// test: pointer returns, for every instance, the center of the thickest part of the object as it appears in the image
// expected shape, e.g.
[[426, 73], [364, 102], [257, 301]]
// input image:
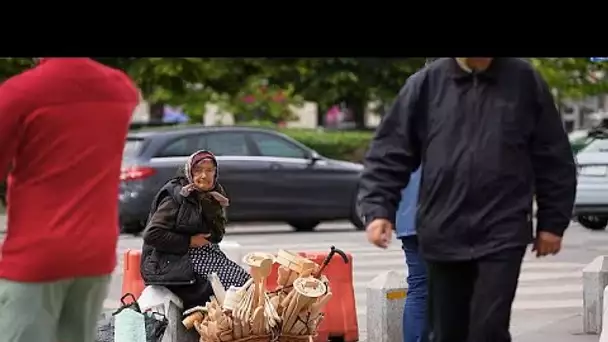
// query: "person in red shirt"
[[63, 126]]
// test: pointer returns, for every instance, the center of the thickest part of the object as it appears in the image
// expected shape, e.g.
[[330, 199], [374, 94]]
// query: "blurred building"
[[577, 114], [142, 111], [580, 114]]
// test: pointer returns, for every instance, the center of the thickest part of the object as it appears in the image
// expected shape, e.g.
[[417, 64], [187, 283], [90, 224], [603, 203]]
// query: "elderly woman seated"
[[186, 223]]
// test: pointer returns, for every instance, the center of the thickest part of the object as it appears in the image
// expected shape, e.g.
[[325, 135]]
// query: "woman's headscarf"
[[194, 159]]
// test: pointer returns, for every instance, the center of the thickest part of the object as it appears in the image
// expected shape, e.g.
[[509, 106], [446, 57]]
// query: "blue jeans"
[[414, 314]]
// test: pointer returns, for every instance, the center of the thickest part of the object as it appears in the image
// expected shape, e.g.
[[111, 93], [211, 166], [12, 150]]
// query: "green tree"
[[354, 81], [259, 101], [165, 81], [573, 77], [13, 66], [188, 82], [192, 82]]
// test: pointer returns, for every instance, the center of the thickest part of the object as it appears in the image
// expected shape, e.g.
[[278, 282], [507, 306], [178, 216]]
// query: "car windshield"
[[132, 147], [578, 135], [597, 145]]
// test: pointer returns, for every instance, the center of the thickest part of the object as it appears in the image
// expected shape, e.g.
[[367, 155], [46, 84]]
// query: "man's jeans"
[[414, 315]]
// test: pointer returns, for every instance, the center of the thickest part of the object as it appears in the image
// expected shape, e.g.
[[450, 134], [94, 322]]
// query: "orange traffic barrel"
[[340, 320], [131, 275]]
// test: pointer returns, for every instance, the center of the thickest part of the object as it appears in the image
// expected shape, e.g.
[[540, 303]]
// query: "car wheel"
[[304, 226], [593, 222], [355, 218], [356, 221], [134, 228]]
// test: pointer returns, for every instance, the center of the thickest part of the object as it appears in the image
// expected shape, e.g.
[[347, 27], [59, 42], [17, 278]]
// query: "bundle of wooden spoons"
[[240, 324], [251, 314]]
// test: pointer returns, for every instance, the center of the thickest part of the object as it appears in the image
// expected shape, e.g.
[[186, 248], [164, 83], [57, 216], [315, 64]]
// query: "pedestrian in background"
[[63, 126], [414, 313], [490, 137]]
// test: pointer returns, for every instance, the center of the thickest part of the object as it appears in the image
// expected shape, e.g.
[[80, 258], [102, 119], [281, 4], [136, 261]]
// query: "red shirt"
[[63, 126]]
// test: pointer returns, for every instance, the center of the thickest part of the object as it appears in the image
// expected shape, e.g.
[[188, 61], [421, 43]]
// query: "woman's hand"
[[199, 240]]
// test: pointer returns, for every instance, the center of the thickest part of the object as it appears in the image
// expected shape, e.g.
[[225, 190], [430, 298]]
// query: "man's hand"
[[199, 240], [547, 243], [380, 232]]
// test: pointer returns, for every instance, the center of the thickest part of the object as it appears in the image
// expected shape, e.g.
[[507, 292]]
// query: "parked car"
[[579, 139], [591, 205], [268, 176]]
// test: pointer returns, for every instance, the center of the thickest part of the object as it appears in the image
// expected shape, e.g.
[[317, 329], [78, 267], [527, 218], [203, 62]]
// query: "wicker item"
[[252, 314], [299, 338], [282, 338], [265, 338]]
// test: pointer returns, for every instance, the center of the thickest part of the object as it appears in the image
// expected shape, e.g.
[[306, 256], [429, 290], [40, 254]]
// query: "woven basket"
[[254, 338], [292, 338]]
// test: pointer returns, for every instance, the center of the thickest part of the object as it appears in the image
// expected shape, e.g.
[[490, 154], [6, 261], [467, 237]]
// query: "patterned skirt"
[[210, 259]]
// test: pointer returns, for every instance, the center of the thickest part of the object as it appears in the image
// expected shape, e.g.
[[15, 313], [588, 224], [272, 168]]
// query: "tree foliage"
[[13, 66], [354, 81], [258, 100], [327, 81], [193, 82], [188, 82], [573, 77]]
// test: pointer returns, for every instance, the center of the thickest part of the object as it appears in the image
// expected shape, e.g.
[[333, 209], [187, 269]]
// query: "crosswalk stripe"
[[570, 289], [555, 289], [551, 265], [527, 305], [543, 284], [526, 276], [390, 261], [365, 269], [547, 304], [313, 246]]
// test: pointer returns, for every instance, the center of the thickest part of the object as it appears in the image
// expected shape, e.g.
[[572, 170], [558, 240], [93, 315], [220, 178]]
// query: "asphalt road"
[[550, 289], [549, 295]]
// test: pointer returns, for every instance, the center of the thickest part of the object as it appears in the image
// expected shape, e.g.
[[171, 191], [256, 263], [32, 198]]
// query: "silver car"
[[591, 205]]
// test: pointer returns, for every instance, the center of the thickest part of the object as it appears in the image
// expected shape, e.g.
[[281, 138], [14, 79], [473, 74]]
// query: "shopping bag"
[[129, 324], [156, 325], [157, 298], [176, 331]]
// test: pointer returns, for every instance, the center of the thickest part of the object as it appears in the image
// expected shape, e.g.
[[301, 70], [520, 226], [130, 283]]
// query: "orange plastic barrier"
[[131, 275], [340, 321]]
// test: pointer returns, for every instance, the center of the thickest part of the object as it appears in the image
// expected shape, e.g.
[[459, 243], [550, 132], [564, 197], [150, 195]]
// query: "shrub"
[[343, 145]]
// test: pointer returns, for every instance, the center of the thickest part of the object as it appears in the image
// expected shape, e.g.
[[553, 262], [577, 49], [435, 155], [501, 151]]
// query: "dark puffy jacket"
[[174, 219]]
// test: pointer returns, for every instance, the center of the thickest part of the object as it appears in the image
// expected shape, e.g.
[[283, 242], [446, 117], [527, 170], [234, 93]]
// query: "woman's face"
[[203, 175]]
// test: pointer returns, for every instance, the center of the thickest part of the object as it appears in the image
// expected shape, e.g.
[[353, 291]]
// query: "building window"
[[569, 125]]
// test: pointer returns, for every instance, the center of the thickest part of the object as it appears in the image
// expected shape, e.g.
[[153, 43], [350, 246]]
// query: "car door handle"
[[275, 166]]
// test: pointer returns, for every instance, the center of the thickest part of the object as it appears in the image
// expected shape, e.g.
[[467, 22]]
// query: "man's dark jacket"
[[489, 142]]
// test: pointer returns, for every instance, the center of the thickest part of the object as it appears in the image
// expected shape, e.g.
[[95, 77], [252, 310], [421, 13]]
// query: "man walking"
[[490, 138], [414, 313], [62, 129]]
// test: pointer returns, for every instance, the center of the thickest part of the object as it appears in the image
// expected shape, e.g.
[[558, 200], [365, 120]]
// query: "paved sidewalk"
[[564, 330]]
